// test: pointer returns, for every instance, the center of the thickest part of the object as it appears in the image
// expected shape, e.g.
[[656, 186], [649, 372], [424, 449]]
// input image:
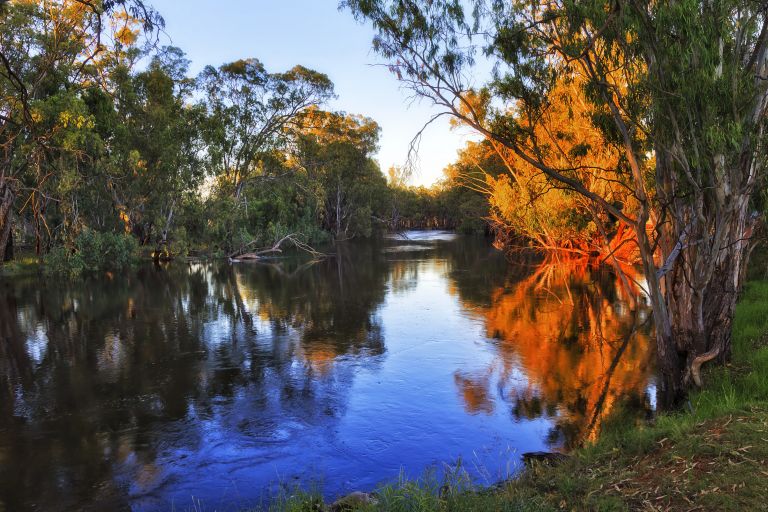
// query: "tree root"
[[699, 361]]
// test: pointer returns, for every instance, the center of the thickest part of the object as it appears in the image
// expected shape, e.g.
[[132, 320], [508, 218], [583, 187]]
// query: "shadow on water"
[[219, 381]]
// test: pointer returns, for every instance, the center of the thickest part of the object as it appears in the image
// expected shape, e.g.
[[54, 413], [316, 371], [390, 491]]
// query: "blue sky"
[[314, 33]]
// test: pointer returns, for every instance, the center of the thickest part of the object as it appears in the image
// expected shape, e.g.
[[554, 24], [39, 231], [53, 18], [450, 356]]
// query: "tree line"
[[109, 145]]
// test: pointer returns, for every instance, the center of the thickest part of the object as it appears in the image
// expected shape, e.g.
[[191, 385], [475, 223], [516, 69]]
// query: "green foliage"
[[248, 111], [448, 205], [235, 158], [92, 252], [472, 213], [261, 216], [334, 152]]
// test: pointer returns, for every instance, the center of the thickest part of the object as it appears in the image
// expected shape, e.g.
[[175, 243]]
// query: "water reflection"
[[140, 391], [571, 341]]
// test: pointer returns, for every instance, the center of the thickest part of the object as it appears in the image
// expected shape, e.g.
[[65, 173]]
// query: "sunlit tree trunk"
[[163, 243]]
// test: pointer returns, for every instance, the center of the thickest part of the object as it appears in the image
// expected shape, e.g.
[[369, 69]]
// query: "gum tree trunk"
[[707, 242], [8, 256], [7, 198]]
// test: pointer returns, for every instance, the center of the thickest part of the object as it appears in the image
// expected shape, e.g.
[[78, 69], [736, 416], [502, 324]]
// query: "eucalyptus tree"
[[49, 51], [155, 150], [335, 151], [680, 89], [249, 112]]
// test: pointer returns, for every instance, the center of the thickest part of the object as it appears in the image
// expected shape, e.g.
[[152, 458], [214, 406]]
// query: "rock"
[[550, 458], [498, 486], [353, 501]]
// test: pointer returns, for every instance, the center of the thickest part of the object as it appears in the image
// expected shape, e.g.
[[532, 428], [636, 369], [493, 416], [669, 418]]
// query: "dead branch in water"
[[391, 225], [241, 255]]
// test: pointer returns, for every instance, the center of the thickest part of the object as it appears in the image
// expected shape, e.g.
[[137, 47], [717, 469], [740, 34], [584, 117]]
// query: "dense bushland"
[[106, 137]]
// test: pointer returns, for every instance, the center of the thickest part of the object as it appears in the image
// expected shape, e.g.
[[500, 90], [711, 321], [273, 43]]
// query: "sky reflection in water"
[[223, 381]]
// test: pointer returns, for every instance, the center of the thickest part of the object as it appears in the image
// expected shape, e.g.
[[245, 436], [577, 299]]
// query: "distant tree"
[[335, 150], [249, 113]]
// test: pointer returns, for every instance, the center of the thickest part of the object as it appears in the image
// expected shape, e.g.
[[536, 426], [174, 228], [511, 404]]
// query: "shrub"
[[92, 251]]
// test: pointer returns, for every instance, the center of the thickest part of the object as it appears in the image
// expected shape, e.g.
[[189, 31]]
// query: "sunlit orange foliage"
[[328, 127], [526, 203]]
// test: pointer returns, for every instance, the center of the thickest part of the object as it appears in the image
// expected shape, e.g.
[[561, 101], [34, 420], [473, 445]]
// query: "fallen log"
[[241, 255]]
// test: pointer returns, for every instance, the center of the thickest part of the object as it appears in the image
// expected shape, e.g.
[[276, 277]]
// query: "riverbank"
[[712, 456]]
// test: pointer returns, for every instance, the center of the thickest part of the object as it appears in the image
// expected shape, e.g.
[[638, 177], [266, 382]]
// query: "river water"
[[217, 385]]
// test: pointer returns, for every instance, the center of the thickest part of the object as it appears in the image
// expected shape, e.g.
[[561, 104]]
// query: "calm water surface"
[[224, 382]]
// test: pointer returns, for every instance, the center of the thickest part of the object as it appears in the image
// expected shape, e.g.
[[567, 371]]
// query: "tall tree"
[[249, 110], [680, 87], [155, 145], [46, 49], [335, 150]]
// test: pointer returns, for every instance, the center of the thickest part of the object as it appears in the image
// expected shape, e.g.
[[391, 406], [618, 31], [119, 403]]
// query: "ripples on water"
[[222, 382]]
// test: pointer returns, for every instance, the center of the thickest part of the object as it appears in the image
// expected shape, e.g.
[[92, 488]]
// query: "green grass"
[[712, 456], [20, 266]]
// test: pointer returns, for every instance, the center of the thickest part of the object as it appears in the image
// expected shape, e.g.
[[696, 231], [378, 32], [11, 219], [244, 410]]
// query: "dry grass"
[[719, 464]]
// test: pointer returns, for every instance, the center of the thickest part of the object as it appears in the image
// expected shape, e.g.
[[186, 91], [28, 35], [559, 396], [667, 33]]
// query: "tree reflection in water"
[[572, 342], [99, 380], [141, 390]]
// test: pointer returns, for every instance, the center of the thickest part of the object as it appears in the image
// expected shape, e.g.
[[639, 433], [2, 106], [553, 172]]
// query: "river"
[[216, 385]]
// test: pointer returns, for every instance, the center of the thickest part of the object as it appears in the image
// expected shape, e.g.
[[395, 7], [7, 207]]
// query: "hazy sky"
[[314, 33]]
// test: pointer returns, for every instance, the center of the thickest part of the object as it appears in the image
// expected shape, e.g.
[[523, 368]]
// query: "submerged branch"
[[241, 255]]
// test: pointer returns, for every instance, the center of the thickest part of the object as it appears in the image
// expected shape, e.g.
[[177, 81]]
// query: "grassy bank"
[[27, 265], [712, 456]]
